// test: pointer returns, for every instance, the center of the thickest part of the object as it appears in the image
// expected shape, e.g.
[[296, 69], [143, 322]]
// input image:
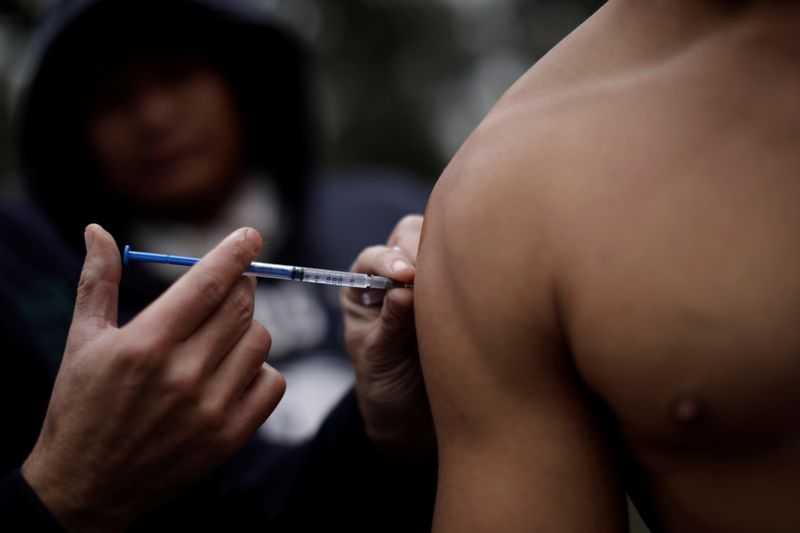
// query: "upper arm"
[[519, 444]]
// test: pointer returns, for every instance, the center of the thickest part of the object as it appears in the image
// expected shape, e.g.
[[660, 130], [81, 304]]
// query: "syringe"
[[287, 272]]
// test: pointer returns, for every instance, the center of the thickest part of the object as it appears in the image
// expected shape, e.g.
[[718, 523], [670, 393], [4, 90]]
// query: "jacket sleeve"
[[336, 479], [21, 509], [343, 482]]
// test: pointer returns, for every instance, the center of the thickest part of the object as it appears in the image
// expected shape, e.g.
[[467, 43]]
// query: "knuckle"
[[262, 340], [274, 389], [210, 285], [267, 390], [374, 249], [243, 303], [211, 415], [367, 257], [406, 234], [277, 388], [256, 345], [281, 384], [369, 252], [185, 379], [409, 222], [138, 355], [87, 283], [87, 279]]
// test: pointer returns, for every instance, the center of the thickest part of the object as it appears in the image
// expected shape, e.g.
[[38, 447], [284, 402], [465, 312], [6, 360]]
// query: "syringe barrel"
[[331, 277]]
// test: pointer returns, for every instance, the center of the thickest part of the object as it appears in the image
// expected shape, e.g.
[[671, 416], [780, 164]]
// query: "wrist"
[[64, 498], [39, 477]]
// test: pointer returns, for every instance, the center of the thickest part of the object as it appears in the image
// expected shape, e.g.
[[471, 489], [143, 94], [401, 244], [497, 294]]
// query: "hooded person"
[[172, 123]]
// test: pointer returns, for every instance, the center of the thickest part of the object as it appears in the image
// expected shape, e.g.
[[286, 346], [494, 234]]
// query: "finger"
[[382, 261], [98, 289], [405, 236], [187, 304], [228, 323], [256, 403], [240, 366], [397, 319]]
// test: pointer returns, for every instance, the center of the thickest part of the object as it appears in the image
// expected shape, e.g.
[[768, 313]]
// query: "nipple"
[[686, 411]]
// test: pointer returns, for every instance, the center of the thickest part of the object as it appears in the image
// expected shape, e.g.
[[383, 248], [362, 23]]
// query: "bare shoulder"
[[520, 445]]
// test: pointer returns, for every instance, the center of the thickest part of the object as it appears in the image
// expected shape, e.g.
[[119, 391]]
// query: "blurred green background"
[[400, 82]]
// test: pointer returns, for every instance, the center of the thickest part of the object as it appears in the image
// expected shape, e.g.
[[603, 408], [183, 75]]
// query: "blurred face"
[[166, 134]]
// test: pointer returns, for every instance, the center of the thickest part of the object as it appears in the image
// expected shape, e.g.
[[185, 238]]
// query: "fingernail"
[[371, 298], [235, 234], [247, 233], [397, 248], [88, 238], [399, 265]]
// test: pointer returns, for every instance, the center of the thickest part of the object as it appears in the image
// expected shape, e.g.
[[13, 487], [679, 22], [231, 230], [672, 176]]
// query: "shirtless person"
[[621, 235]]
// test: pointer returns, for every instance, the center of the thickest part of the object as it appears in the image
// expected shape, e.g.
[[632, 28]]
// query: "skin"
[[140, 411], [166, 134], [619, 237]]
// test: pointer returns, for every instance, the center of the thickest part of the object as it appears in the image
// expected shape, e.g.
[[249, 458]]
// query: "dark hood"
[[265, 64]]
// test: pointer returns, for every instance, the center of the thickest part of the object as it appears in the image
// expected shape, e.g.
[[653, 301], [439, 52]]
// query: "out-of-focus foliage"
[[404, 81], [401, 82]]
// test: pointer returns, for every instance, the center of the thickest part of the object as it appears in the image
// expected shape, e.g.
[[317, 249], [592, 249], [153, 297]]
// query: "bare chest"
[[691, 335]]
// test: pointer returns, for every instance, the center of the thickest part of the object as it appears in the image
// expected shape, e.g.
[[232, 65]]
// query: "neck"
[[674, 23], [660, 28]]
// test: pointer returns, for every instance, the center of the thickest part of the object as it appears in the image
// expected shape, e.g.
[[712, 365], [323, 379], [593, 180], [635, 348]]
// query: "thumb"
[[96, 303], [397, 318]]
